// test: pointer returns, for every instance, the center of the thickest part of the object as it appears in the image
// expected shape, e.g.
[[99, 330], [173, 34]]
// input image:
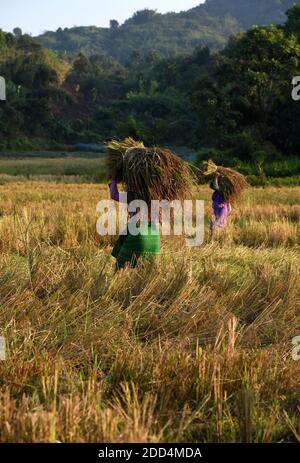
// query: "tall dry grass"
[[196, 348]]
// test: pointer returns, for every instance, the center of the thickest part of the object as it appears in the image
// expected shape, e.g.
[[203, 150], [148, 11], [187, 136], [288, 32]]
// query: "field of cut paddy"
[[195, 348]]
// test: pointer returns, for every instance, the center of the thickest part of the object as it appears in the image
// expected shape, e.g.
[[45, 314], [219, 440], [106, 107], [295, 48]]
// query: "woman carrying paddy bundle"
[[147, 174], [228, 186], [221, 207], [129, 248]]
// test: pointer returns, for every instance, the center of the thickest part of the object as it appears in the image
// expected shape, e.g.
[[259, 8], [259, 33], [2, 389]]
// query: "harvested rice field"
[[195, 348]]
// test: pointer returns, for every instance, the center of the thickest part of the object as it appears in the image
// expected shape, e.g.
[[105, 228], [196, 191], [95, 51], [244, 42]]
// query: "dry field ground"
[[196, 348]]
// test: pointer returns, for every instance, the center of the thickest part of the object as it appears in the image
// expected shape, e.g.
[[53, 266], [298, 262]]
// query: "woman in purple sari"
[[221, 207]]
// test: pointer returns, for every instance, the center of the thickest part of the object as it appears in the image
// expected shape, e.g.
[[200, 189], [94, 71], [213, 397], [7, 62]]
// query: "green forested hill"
[[209, 24], [237, 101], [166, 34], [250, 12]]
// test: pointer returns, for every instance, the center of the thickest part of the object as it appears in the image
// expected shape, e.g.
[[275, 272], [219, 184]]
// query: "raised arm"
[[120, 197], [113, 188], [216, 182]]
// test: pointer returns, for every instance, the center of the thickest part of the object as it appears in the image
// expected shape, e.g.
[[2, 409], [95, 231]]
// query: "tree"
[[247, 88], [136, 58], [25, 42], [82, 65], [17, 31], [114, 24], [153, 57], [264, 58], [293, 22], [143, 16]]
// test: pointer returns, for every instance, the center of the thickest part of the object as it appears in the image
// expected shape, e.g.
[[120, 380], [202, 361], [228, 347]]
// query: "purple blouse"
[[220, 206], [120, 197], [113, 188]]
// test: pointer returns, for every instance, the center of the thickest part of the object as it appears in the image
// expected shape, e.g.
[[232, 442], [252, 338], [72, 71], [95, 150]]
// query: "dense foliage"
[[236, 102], [250, 12], [169, 34], [210, 24]]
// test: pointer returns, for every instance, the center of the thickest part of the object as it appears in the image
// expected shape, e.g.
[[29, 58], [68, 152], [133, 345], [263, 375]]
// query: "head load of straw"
[[148, 173], [231, 183], [115, 156]]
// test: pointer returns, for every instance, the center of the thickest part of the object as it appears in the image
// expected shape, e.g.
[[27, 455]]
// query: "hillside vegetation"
[[234, 105], [250, 12], [210, 24]]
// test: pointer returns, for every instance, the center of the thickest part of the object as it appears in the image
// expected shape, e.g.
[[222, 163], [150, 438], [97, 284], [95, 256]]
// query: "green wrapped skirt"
[[128, 249]]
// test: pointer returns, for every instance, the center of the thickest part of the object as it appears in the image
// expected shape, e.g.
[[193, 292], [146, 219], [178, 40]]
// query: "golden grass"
[[194, 349]]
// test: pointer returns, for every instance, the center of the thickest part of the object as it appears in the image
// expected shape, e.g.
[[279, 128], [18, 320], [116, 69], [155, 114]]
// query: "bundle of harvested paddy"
[[116, 151], [231, 182], [149, 173]]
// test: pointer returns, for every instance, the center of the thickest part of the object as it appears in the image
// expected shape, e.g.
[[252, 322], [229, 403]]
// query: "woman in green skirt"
[[129, 248]]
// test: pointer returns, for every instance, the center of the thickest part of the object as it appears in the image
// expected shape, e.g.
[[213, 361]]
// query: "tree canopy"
[[237, 100], [210, 24]]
